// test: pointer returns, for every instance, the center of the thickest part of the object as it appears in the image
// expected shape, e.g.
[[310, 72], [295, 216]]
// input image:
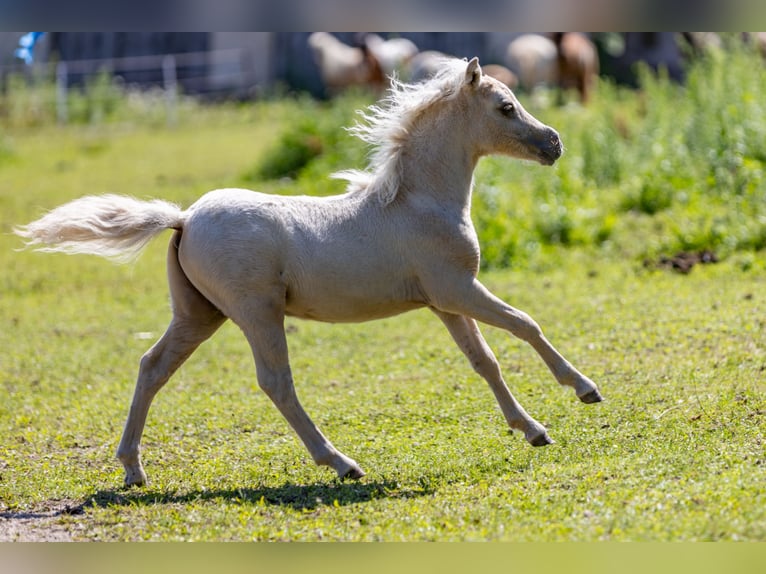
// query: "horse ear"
[[473, 73]]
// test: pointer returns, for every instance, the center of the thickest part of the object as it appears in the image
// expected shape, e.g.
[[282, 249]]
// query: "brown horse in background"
[[578, 64]]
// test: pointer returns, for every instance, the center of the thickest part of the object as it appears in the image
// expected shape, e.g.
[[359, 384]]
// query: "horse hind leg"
[[195, 319], [262, 322]]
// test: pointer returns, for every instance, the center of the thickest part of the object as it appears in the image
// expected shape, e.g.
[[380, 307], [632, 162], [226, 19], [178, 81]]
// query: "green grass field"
[[676, 453]]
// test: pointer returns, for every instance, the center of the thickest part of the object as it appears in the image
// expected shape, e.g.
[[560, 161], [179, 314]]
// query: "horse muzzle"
[[550, 148]]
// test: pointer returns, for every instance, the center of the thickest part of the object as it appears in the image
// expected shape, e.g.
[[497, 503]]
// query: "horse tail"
[[112, 226]]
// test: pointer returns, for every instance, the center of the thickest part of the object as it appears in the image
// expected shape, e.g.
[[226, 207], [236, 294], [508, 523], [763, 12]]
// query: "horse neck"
[[438, 161]]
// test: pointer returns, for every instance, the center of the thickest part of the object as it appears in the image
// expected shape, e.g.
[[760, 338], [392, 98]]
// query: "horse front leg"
[[474, 300], [466, 334], [266, 335]]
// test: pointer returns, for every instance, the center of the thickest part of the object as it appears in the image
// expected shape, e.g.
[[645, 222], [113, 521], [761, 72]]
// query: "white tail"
[[112, 226]]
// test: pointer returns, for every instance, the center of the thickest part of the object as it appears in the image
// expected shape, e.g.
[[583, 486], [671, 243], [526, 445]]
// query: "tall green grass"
[[666, 168], [30, 101]]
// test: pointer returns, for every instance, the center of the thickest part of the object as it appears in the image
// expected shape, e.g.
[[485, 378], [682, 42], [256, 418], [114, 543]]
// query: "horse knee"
[[525, 327]]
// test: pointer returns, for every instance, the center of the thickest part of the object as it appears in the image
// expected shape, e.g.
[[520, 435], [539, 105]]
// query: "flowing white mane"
[[387, 127]]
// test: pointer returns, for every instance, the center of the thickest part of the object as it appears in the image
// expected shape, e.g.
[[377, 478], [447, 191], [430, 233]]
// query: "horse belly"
[[350, 303]]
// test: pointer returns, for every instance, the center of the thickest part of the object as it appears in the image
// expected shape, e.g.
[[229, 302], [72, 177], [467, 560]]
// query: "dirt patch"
[[41, 524], [684, 261]]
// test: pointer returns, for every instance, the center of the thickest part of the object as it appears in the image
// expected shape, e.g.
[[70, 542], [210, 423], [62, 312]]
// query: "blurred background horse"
[[342, 66]]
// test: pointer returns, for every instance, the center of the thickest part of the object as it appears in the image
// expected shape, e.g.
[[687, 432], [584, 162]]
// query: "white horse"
[[393, 54], [534, 60], [425, 65], [400, 238]]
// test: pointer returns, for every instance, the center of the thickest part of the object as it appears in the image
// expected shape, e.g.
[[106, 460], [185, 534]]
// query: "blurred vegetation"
[[31, 101], [661, 169], [314, 143], [651, 171]]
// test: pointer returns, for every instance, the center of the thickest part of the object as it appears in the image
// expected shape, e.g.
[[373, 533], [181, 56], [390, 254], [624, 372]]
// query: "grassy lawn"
[[675, 453]]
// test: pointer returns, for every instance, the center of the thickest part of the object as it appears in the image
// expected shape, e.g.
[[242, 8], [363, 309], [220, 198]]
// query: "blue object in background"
[[27, 42]]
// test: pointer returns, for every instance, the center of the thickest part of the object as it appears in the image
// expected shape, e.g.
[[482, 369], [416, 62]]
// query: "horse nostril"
[[556, 146], [550, 146]]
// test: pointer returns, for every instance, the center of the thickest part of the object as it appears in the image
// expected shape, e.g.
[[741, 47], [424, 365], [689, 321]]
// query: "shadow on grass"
[[296, 496]]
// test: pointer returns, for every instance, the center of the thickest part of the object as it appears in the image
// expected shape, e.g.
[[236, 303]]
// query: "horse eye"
[[508, 109]]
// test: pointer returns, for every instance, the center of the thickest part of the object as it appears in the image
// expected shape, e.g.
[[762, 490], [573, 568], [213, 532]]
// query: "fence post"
[[62, 113], [171, 88]]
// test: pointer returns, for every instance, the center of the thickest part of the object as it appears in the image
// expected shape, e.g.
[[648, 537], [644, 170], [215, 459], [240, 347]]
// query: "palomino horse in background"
[[342, 66], [503, 74], [400, 238]]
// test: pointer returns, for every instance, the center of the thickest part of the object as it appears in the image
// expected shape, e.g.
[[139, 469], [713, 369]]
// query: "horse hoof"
[[541, 440], [134, 484], [353, 473], [135, 478], [591, 397]]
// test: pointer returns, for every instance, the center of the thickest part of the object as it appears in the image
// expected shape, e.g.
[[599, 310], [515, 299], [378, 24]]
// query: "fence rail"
[[208, 72], [229, 68]]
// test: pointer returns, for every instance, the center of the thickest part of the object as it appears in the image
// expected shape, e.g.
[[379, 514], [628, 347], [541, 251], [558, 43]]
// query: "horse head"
[[501, 125]]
